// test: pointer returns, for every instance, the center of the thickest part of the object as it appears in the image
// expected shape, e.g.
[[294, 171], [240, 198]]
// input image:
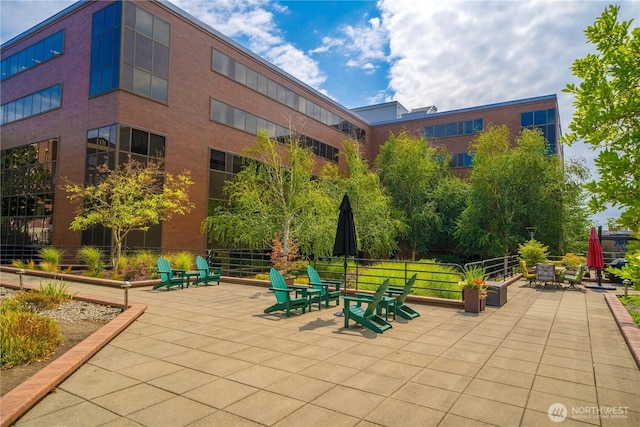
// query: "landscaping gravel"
[[74, 311]]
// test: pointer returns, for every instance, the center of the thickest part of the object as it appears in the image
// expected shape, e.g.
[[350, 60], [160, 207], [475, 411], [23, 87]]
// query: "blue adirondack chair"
[[282, 292], [168, 276], [368, 317], [207, 274], [327, 294]]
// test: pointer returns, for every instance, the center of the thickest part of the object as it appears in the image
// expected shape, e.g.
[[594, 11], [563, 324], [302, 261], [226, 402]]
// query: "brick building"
[[100, 81]]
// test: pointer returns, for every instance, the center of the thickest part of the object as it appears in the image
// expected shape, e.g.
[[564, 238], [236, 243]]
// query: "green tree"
[[607, 116], [275, 195], [131, 197], [376, 229], [411, 172], [575, 214], [511, 187]]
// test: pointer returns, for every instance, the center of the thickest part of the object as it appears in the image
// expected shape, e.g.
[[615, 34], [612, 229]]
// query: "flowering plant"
[[474, 278]]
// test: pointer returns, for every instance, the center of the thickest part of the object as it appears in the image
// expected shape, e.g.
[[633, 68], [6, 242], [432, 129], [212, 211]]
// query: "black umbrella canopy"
[[345, 243]]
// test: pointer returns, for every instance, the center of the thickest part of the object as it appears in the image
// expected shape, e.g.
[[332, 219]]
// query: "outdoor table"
[[311, 293], [188, 275], [325, 289]]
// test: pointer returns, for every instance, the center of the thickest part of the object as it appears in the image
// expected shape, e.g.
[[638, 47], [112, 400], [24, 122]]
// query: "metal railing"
[[500, 267], [434, 279]]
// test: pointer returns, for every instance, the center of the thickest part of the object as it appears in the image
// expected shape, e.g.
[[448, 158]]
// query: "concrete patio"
[[208, 356]]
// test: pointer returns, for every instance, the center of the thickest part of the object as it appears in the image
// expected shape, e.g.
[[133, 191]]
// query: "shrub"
[[573, 260], [26, 337], [17, 263], [123, 262], [56, 291], [533, 252], [51, 258], [138, 270], [93, 258], [180, 260], [35, 301]]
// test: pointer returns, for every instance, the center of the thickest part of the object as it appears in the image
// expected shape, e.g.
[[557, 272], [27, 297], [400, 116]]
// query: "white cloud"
[[363, 44], [460, 54], [253, 21], [17, 16], [328, 43]]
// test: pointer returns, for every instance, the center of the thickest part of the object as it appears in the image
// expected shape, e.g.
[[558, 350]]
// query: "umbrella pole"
[[345, 275], [344, 292], [599, 285]]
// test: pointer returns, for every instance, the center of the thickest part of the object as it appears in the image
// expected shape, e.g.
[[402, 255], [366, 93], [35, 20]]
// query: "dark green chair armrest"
[[288, 290]]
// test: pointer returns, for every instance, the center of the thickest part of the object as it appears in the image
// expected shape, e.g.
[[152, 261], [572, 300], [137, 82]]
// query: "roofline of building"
[[67, 10], [470, 109], [369, 107], [186, 15], [255, 56]]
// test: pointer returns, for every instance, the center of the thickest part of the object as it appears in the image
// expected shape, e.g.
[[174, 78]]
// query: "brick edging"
[[627, 326], [18, 401]]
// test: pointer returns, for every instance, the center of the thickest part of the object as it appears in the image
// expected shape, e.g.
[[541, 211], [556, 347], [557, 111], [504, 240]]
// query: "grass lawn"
[[632, 304]]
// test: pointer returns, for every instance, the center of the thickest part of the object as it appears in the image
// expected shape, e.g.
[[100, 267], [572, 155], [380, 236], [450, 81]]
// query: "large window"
[[444, 130], [105, 49], [145, 55], [40, 102], [240, 119], [229, 67], [545, 120], [33, 55], [145, 63], [28, 185], [105, 147], [461, 160]]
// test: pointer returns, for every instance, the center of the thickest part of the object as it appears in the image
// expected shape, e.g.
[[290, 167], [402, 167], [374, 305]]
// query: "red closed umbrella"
[[595, 259]]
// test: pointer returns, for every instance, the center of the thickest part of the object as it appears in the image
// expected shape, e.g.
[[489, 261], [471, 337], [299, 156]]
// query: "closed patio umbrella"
[[345, 243], [595, 259]]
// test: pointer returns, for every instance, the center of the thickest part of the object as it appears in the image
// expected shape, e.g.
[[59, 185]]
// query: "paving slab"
[[209, 356]]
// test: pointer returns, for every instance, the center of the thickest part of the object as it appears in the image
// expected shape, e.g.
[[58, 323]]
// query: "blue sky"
[[452, 54]]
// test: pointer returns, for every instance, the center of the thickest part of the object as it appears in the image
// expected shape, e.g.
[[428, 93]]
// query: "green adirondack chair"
[[169, 276], [284, 300], [399, 307], [324, 286], [576, 279], [207, 274], [368, 317]]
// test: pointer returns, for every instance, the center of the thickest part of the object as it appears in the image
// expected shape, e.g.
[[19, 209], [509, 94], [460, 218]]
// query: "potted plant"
[[474, 289]]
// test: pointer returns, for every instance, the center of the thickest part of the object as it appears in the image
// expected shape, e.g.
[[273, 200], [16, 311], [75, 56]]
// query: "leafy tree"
[[450, 197], [575, 216], [511, 188], [376, 229], [412, 172], [607, 117], [132, 197], [275, 195]]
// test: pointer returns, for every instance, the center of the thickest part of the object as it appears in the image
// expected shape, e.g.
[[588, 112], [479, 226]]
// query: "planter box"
[[497, 294]]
